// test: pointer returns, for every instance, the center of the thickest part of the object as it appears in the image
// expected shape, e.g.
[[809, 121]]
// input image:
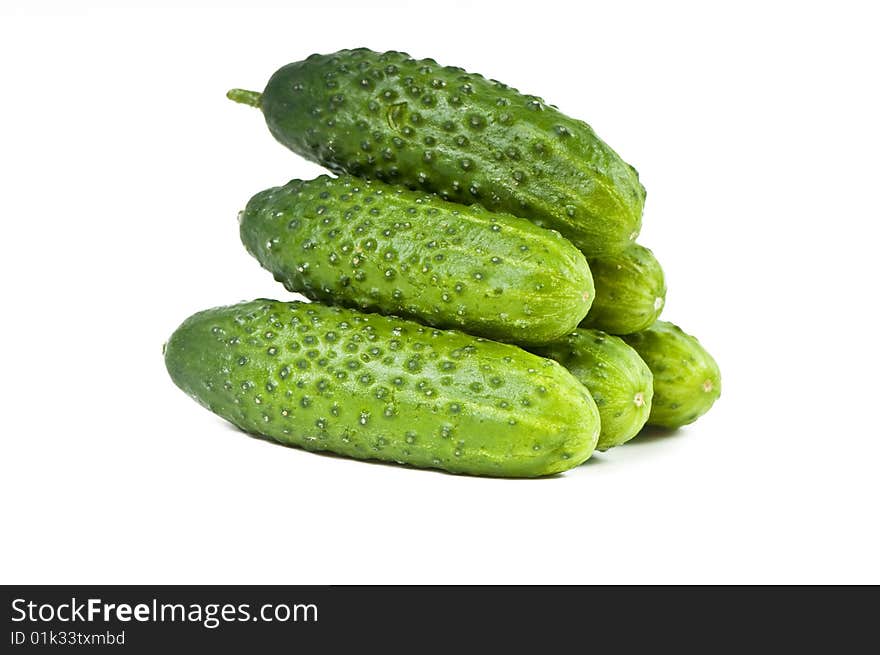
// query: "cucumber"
[[630, 291], [617, 378], [374, 387], [384, 248], [687, 380], [390, 117]]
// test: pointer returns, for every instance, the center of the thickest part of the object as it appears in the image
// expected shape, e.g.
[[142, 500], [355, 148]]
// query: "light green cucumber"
[[630, 291], [374, 387], [617, 378], [687, 380], [384, 248], [390, 117]]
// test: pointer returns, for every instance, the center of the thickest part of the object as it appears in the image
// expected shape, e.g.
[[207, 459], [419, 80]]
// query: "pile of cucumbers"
[[480, 304]]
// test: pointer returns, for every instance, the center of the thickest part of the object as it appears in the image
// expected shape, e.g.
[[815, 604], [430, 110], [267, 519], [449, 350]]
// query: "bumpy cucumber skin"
[[441, 129], [617, 378], [385, 248], [687, 380], [374, 387], [630, 291]]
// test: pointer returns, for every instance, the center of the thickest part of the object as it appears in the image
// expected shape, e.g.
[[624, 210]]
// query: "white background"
[[122, 167]]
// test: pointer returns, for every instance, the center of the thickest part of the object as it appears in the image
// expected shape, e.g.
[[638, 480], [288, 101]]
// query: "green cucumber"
[[374, 387], [390, 117], [385, 248], [617, 378], [687, 380], [630, 291]]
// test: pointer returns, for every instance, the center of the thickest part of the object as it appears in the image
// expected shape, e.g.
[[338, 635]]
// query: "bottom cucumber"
[[687, 381], [375, 387], [619, 381]]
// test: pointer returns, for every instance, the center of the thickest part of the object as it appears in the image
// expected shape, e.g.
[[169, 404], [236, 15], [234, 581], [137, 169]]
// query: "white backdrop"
[[122, 167]]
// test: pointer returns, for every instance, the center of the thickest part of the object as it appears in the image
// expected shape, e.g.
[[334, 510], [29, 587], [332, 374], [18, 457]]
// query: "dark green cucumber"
[[393, 118], [687, 380], [385, 248], [374, 387], [617, 378], [630, 291]]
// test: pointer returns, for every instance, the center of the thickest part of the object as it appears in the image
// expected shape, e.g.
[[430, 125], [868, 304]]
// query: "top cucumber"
[[391, 117]]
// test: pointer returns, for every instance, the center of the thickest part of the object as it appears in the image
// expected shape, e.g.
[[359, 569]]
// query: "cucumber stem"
[[251, 98]]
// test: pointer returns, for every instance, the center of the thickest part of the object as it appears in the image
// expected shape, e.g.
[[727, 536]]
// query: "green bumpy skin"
[[614, 374], [687, 380], [384, 248], [630, 291], [374, 387], [393, 118]]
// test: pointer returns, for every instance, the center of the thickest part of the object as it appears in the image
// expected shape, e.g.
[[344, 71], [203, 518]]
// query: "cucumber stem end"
[[245, 97]]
